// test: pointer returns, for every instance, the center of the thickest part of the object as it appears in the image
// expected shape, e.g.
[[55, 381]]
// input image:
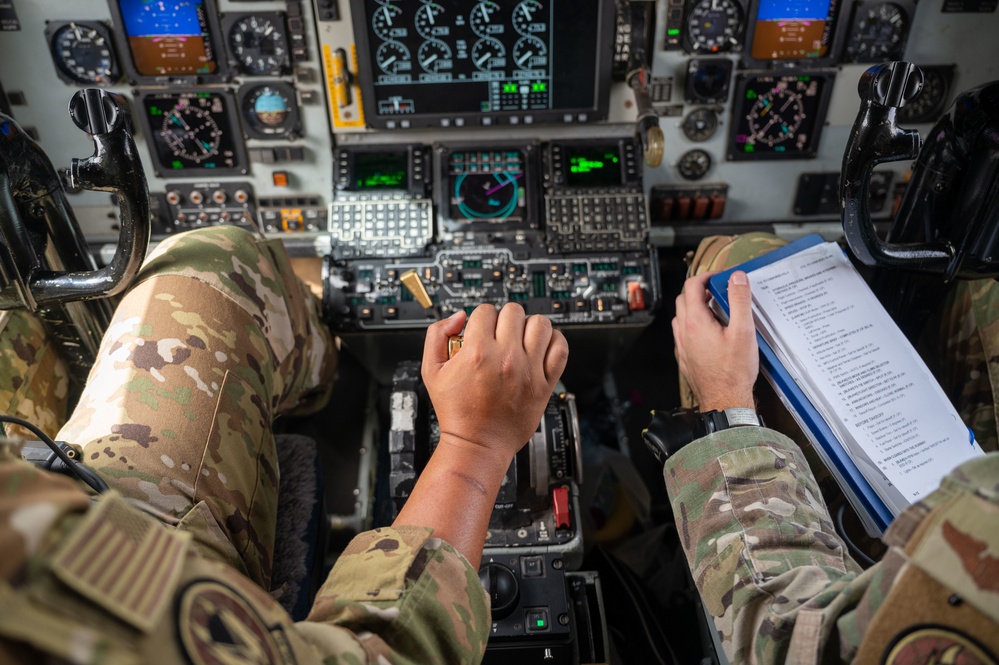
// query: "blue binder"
[[857, 489]]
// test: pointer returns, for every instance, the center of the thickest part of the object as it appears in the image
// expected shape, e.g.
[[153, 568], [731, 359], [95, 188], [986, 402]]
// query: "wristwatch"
[[669, 432], [716, 421]]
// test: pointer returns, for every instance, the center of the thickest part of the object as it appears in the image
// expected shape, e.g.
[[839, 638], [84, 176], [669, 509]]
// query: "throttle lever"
[[876, 138]]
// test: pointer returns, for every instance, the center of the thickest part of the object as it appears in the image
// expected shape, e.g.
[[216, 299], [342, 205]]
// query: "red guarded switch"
[[636, 297], [560, 505]]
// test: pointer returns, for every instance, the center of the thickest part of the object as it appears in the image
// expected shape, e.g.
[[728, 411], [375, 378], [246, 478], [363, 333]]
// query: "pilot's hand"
[[720, 362], [492, 393]]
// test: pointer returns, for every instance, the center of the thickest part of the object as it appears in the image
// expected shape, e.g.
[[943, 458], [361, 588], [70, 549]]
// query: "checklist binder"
[[873, 512]]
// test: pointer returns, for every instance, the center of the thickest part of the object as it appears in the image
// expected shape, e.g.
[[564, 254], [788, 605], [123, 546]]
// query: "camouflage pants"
[[215, 338], [961, 346]]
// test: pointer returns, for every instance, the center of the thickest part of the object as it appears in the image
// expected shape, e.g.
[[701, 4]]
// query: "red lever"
[[560, 504]]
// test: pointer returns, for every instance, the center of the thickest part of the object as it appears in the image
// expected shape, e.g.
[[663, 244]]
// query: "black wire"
[[94, 481], [854, 550]]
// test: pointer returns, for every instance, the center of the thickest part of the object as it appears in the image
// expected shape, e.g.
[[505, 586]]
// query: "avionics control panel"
[[602, 287], [560, 227]]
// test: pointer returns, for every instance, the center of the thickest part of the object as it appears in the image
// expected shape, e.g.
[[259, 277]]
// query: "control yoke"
[[44, 259], [948, 222]]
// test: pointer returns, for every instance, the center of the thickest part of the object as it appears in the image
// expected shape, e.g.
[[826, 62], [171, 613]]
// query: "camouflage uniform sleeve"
[[760, 543], [406, 597]]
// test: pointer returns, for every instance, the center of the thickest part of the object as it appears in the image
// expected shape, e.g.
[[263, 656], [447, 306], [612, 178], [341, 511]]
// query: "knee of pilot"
[[211, 249]]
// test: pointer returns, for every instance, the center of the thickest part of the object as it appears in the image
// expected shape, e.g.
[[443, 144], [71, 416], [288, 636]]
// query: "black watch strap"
[[716, 421], [670, 431]]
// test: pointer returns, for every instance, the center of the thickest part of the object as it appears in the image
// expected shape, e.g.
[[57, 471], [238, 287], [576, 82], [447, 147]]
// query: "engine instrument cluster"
[[452, 63]]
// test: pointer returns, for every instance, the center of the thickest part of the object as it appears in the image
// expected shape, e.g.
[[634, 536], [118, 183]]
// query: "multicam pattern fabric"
[[214, 339], [34, 383], [772, 570]]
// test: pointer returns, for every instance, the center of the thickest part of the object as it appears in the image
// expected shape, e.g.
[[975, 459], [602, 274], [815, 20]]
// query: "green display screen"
[[593, 167], [380, 170]]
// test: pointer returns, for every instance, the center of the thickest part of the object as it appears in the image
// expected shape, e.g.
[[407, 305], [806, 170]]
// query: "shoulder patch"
[[218, 626], [930, 644], [122, 561]]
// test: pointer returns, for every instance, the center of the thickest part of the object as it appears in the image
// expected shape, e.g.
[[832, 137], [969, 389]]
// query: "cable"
[[94, 481], [854, 550]]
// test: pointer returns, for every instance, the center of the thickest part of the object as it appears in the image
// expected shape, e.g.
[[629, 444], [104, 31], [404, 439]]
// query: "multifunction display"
[[779, 117], [194, 131], [461, 61], [169, 37], [794, 29]]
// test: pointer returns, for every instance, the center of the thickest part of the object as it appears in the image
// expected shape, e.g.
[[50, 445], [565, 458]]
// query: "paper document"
[[860, 372]]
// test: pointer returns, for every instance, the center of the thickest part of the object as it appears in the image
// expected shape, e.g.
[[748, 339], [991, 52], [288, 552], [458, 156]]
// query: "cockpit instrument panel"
[[778, 117], [193, 132], [269, 110], [801, 31], [82, 52], [878, 31], [169, 38], [257, 43], [489, 188], [714, 26], [456, 63]]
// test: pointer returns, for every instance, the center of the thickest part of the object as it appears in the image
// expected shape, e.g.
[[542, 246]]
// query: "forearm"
[[456, 493], [749, 512]]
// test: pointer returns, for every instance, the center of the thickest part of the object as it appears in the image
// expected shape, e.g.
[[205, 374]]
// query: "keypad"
[[596, 222], [389, 226]]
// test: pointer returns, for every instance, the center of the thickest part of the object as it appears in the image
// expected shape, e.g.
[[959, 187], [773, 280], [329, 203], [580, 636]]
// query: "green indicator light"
[[155, 110], [485, 106], [541, 623], [539, 86], [509, 87], [750, 148], [672, 32], [176, 164], [750, 94]]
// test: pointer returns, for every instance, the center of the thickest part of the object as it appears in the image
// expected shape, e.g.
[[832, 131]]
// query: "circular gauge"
[[429, 19], [482, 19], [700, 124], [708, 80], [258, 45], [530, 53], [489, 54], [386, 22], [487, 196], [878, 33], [191, 133], [694, 165], [434, 56], [776, 116], [930, 102], [269, 110], [82, 54], [714, 26], [393, 58], [528, 18]]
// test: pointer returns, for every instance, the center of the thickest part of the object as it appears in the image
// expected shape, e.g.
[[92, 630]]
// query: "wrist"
[[473, 455], [722, 402]]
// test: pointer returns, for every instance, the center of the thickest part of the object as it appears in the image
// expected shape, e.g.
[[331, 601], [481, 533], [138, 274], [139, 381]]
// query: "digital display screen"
[[593, 167], [454, 58], [380, 170], [794, 29], [779, 116], [193, 131], [168, 37], [487, 186]]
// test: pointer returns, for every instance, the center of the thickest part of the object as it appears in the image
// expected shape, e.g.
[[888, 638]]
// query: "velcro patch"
[[123, 561], [218, 626]]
